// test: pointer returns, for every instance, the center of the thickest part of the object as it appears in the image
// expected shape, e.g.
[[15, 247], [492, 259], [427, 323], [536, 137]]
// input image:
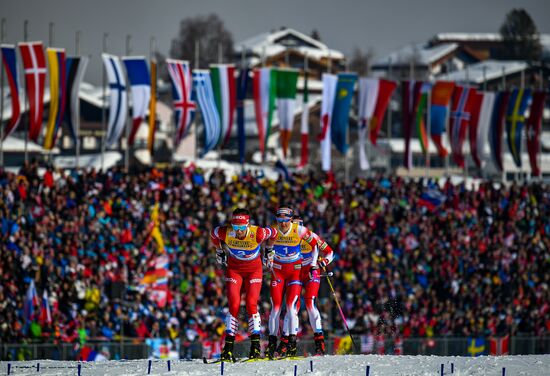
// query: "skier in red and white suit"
[[238, 249], [286, 266]]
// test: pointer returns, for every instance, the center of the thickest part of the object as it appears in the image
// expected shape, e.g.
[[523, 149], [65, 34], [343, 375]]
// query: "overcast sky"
[[383, 25]]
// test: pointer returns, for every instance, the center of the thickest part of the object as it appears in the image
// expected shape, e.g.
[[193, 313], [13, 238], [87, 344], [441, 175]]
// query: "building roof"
[[420, 53], [485, 70]]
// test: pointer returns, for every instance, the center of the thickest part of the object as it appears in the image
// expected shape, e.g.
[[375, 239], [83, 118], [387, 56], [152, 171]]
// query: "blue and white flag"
[[211, 119], [76, 66], [118, 100], [140, 81], [340, 114], [9, 61]]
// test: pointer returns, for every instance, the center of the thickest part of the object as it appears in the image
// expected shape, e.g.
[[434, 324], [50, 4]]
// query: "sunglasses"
[[239, 227], [283, 220]]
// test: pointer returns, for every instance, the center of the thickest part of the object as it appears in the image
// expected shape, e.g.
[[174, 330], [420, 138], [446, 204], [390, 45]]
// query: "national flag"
[[533, 129], [479, 127], [155, 280], [210, 116], [264, 88], [45, 312], [442, 93], [515, 119], [339, 126], [368, 95], [58, 94], [31, 301], [431, 199], [140, 87], [497, 127], [152, 109], [223, 84], [283, 170], [76, 66], [499, 345], [460, 121], [477, 98], [286, 82], [118, 100], [34, 65], [410, 90], [421, 102], [367, 343], [476, 346], [9, 61], [242, 87], [184, 106], [327, 106], [385, 91], [304, 126]]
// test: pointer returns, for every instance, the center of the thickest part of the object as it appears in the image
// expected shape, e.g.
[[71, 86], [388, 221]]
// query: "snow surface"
[[329, 365]]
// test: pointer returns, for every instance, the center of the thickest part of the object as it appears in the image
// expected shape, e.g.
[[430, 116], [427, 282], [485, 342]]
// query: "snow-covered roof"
[[270, 44], [17, 145], [469, 37], [485, 70], [419, 53]]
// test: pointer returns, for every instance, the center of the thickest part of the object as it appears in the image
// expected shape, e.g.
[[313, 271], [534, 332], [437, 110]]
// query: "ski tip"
[[204, 360]]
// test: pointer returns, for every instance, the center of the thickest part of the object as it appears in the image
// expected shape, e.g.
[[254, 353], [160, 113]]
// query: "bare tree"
[[360, 61], [210, 32]]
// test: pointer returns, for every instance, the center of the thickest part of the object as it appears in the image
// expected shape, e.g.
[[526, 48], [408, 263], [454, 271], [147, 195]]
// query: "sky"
[[379, 25]]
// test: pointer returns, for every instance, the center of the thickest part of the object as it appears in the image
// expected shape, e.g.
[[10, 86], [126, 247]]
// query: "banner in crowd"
[[242, 87], [460, 121], [264, 86], [533, 129], [34, 66], [497, 127], [223, 84], [515, 119], [327, 106], [152, 110], [58, 94], [442, 93], [9, 62], [140, 87], [287, 80], [211, 119], [368, 94], [118, 100], [183, 104], [76, 66], [385, 91], [339, 126], [304, 125], [476, 347]]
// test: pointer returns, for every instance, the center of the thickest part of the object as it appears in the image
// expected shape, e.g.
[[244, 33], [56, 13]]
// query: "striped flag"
[[327, 106], [140, 87], [460, 121], [34, 65], [155, 280], [420, 108], [31, 301], [442, 94], [497, 127], [207, 103], [9, 61], [479, 127], [368, 95], [152, 110], [533, 129], [76, 66], [45, 312], [184, 106], [223, 84], [241, 96], [58, 94], [287, 80], [264, 86], [304, 125], [515, 119], [118, 100], [385, 91]]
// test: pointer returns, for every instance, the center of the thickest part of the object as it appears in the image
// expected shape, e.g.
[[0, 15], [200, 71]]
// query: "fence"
[[443, 346]]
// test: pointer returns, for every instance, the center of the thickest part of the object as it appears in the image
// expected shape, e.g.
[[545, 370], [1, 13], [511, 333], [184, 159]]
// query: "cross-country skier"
[[238, 250]]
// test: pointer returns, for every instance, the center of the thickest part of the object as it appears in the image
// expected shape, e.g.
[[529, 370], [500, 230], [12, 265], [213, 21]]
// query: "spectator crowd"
[[413, 258]]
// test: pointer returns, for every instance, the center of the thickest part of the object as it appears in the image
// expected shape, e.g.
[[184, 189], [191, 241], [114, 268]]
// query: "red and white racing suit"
[[244, 270]]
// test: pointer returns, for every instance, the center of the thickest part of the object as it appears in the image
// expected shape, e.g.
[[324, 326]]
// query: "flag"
[[286, 102], [152, 109], [476, 100], [283, 170], [45, 312], [184, 107], [223, 83], [515, 119], [140, 87], [9, 61], [34, 65], [118, 101], [533, 129], [460, 121], [210, 116], [76, 66], [264, 85], [431, 199], [31, 300], [241, 96], [304, 126], [368, 94], [58, 94], [442, 93], [385, 91], [327, 106], [409, 92], [155, 280], [499, 346], [339, 126], [479, 129], [497, 127], [421, 101], [476, 346]]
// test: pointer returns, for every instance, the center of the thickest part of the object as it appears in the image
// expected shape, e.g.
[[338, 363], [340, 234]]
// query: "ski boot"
[[254, 347], [271, 347], [319, 343], [227, 352], [292, 347], [282, 350]]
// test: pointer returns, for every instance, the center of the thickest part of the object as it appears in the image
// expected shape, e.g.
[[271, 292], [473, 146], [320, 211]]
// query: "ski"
[[217, 361]]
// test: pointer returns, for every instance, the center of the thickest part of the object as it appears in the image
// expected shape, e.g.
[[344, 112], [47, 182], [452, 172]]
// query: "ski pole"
[[339, 308]]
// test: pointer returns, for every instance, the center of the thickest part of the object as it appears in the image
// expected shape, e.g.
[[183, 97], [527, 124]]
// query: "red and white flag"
[[482, 109], [460, 121], [34, 65], [385, 91], [368, 95], [533, 129], [327, 105]]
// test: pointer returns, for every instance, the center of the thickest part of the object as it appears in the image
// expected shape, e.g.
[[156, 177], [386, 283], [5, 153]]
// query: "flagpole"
[[2, 35], [25, 38], [51, 27], [77, 109], [103, 105], [128, 117]]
